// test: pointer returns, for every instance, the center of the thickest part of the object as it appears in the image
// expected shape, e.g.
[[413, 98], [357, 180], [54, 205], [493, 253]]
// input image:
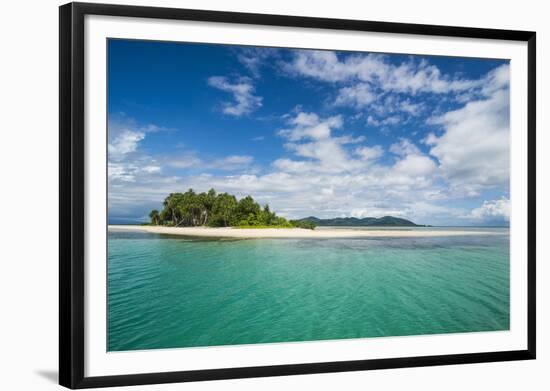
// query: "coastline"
[[289, 233]]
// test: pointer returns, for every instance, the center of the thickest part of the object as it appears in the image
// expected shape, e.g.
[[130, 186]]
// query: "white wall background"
[[28, 181]]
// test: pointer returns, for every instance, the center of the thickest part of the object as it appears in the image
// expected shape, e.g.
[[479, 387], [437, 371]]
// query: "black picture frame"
[[71, 194]]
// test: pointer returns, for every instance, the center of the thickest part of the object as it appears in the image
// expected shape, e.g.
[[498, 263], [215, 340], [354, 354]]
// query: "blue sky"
[[310, 132]]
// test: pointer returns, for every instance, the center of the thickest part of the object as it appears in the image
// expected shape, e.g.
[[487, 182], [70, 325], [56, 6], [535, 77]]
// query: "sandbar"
[[299, 233]]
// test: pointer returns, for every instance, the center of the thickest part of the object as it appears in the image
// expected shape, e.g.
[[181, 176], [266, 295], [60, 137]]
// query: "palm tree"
[[155, 217], [171, 207]]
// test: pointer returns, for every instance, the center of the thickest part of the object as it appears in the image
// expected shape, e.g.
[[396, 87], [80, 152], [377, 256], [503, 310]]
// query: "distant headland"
[[386, 221]]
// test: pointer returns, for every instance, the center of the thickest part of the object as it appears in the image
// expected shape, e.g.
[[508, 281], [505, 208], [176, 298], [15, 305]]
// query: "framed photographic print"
[[251, 195]]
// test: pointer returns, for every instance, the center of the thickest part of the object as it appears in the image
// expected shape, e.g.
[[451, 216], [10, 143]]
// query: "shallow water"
[[167, 292]]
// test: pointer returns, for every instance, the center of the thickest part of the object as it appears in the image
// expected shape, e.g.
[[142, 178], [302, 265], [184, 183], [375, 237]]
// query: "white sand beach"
[[326, 233]]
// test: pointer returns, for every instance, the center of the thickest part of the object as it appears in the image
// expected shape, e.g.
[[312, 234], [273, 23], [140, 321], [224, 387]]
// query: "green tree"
[[207, 201], [246, 207], [307, 224], [155, 217], [164, 219], [224, 209], [171, 208], [266, 216], [189, 208], [217, 210]]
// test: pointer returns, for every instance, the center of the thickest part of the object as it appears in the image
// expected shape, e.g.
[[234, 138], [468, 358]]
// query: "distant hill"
[[386, 221]]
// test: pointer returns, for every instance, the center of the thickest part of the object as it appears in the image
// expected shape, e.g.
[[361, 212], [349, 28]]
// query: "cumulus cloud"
[[359, 95], [125, 134], [309, 125], [254, 58], [132, 169], [190, 160], [388, 121], [301, 187], [183, 160], [405, 105], [326, 164], [404, 147], [125, 162], [412, 169], [125, 142], [242, 90], [375, 71], [370, 153], [328, 172], [474, 148], [415, 165], [311, 137], [491, 210], [386, 87], [138, 179]]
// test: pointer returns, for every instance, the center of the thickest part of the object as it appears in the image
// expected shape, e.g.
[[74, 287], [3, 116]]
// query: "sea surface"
[[170, 292]]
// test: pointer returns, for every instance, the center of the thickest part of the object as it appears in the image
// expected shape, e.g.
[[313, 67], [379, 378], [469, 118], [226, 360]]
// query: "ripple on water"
[[171, 292]]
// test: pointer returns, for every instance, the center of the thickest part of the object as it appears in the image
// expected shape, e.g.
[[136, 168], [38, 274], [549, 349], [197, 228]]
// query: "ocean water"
[[171, 292]]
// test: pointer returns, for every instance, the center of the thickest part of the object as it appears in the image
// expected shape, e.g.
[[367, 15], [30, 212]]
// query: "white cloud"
[[404, 147], [242, 90], [311, 137], [370, 153], [294, 166], [321, 161], [237, 159], [309, 125], [138, 180], [300, 187], [120, 172], [131, 170], [124, 143], [368, 95], [492, 210], [189, 160], [319, 64], [430, 139], [497, 79], [474, 149], [183, 160], [359, 95], [326, 171], [392, 105], [347, 139], [125, 135], [126, 162], [410, 76], [407, 106], [254, 58], [152, 169], [415, 165], [388, 121]]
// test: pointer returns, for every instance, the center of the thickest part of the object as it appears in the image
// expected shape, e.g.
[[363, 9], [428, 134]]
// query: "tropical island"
[[212, 209], [222, 215]]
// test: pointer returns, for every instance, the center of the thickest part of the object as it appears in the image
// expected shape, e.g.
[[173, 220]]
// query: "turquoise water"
[[168, 292]]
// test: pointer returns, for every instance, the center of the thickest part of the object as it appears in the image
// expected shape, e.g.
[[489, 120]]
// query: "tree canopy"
[[212, 209]]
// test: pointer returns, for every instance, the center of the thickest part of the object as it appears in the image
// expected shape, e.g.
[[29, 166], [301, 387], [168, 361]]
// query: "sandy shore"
[[245, 233]]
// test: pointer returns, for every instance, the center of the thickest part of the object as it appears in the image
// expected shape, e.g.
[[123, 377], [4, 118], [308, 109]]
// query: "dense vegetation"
[[386, 221], [191, 209]]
